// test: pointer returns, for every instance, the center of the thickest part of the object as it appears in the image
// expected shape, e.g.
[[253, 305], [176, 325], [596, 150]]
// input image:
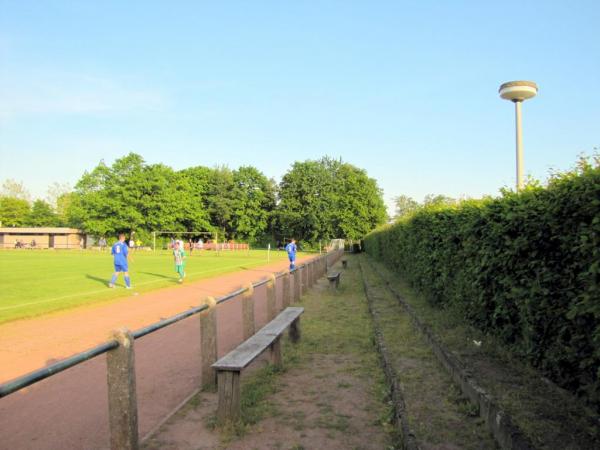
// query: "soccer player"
[[291, 251], [179, 255], [120, 253]]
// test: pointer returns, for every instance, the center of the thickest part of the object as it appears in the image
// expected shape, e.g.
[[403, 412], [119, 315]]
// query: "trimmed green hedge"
[[524, 267]]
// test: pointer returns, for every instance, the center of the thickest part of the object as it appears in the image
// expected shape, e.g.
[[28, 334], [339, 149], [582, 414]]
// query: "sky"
[[407, 91]]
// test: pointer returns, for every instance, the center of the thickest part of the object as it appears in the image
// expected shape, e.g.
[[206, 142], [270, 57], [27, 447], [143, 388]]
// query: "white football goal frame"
[[178, 233]]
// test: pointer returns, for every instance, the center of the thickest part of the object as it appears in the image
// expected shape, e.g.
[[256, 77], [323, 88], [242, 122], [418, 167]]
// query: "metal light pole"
[[517, 92]]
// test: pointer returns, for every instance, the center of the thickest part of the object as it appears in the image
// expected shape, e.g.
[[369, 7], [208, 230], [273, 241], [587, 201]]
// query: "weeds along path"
[[331, 393], [434, 410], [524, 409]]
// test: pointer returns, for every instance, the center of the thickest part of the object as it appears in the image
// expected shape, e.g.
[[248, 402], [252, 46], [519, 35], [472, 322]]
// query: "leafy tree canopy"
[[326, 199]]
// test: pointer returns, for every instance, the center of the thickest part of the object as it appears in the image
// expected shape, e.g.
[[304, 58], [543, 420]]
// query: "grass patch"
[[549, 416], [40, 282], [255, 406], [436, 412], [336, 349]]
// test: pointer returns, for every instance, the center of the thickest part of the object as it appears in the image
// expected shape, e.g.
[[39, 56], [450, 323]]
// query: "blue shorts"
[[121, 268], [292, 257]]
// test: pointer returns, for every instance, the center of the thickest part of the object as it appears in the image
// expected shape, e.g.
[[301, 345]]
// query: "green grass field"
[[39, 282]]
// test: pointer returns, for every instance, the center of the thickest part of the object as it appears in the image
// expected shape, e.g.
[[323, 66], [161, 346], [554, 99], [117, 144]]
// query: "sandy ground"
[[323, 401], [319, 405], [69, 410]]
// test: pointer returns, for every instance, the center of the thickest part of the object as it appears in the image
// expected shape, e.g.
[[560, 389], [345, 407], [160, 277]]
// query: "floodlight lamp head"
[[518, 91]]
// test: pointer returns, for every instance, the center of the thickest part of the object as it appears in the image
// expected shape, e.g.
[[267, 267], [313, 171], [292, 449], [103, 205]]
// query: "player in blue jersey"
[[291, 251], [120, 252]]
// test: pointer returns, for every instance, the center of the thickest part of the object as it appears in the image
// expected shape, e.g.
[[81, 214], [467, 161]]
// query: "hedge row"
[[524, 267]]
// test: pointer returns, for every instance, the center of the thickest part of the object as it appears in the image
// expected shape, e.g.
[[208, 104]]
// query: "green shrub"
[[524, 267]]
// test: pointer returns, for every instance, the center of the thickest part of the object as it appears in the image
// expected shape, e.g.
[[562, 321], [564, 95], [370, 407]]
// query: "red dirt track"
[[70, 410]]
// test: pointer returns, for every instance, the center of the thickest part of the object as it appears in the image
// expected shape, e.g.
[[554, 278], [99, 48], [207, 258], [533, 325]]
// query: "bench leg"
[[337, 282], [229, 408], [332, 284], [276, 358], [295, 332]]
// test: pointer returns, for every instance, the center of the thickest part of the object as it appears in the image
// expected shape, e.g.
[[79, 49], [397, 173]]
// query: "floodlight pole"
[[517, 92], [154, 241], [519, 138]]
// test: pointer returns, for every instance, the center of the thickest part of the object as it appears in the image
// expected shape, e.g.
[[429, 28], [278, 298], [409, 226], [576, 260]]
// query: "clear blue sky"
[[405, 90]]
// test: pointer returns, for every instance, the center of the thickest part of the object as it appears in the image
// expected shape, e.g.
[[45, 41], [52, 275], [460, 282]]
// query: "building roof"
[[40, 230]]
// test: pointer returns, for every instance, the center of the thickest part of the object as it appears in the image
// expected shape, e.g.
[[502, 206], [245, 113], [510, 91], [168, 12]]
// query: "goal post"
[[214, 244], [182, 233]]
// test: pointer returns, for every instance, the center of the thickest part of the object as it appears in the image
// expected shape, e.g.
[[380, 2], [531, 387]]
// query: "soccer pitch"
[[38, 281]]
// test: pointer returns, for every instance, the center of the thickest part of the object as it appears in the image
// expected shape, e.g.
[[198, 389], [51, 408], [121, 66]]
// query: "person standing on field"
[[120, 253], [291, 251], [179, 256]]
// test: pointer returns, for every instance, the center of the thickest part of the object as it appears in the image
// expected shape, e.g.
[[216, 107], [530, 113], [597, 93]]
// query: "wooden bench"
[[345, 263], [230, 366], [334, 279]]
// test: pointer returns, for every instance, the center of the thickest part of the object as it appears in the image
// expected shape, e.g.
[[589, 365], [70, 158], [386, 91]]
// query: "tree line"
[[315, 200]]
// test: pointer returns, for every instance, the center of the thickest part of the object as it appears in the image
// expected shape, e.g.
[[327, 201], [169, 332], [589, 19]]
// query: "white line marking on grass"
[[4, 308]]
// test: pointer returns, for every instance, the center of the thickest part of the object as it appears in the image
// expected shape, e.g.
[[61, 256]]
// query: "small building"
[[42, 237]]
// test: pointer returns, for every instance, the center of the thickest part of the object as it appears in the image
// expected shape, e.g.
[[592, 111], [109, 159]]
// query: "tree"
[[14, 212], [360, 206], [15, 189], [306, 201], [195, 181], [55, 192], [254, 202], [405, 206], [108, 198], [439, 200], [327, 198], [42, 215], [64, 213], [220, 201]]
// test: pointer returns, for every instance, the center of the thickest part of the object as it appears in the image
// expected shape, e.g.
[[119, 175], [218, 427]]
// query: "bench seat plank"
[[250, 349], [278, 325]]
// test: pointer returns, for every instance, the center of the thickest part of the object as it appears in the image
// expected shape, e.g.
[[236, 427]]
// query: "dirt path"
[[330, 395], [69, 409]]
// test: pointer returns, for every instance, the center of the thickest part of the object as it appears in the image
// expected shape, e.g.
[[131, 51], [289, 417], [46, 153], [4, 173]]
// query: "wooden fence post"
[[122, 401], [248, 312], [296, 297], [287, 292], [271, 300], [208, 343], [304, 278]]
